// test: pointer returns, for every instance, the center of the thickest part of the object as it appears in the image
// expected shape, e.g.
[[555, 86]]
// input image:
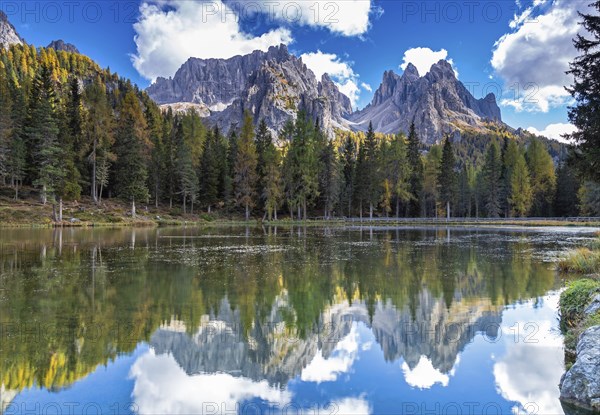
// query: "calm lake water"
[[286, 320]]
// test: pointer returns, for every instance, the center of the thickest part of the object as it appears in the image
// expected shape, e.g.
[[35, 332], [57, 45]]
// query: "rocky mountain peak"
[[8, 33], [438, 103], [60, 44], [411, 72], [273, 85]]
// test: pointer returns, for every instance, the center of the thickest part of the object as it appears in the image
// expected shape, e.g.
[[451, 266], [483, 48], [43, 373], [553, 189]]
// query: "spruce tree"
[[329, 179], [492, 171], [348, 173], [131, 173], [188, 181], [42, 137], [398, 171], [416, 167], [209, 170], [567, 188], [447, 177], [245, 177], [585, 115]]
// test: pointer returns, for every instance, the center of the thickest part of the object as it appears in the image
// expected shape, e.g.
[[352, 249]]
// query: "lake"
[[281, 320]]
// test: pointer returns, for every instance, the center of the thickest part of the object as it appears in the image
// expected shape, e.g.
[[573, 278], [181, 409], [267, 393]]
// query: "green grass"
[[573, 302], [581, 261]]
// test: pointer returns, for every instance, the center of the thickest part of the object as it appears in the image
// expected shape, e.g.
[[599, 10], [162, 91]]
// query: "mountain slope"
[[274, 85], [61, 45], [8, 33], [437, 103]]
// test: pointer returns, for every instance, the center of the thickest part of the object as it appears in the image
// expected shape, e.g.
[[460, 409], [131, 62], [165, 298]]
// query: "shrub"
[[574, 300]]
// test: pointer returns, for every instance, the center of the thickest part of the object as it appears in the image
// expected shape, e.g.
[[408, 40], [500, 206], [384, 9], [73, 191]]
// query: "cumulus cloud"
[[423, 58], [535, 55], [167, 36], [341, 360], [162, 387], [424, 375], [555, 131], [339, 71], [346, 18]]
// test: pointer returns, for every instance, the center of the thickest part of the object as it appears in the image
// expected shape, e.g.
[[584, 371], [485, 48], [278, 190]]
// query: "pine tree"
[[510, 155], [521, 194], [329, 179], [398, 171], [585, 115], [99, 131], [370, 170], [431, 190], [492, 171], [131, 173], [567, 188], [6, 127], [209, 170], [188, 181], [348, 173], [416, 167], [272, 192], [263, 140], [245, 167], [42, 136], [447, 179]]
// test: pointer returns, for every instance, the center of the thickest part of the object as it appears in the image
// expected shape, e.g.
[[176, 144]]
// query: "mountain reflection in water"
[[190, 320]]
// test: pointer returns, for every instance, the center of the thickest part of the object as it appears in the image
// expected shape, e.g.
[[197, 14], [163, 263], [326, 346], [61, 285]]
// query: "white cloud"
[[339, 71], [166, 38], [366, 87], [341, 361], [423, 58], [530, 370], [555, 131], [351, 406], [347, 18], [424, 375], [162, 387], [533, 58]]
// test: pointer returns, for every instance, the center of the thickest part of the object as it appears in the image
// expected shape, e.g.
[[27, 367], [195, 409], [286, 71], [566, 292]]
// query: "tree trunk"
[[371, 211], [192, 202], [208, 208], [54, 217], [100, 194], [184, 203], [360, 212], [397, 208], [94, 188], [17, 190], [448, 210], [60, 209], [304, 208], [156, 194], [299, 212], [247, 212], [133, 208], [275, 212]]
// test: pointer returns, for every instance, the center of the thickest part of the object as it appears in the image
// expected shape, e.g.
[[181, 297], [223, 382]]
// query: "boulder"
[[593, 307], [580, 386]]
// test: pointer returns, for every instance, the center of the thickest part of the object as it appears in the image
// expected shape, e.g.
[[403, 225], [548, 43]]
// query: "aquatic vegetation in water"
[[581, 261]]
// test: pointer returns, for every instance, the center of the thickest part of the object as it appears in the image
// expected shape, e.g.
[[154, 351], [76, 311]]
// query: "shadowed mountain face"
[[8, 34], [273, 85], [437, 103], [61, 45]]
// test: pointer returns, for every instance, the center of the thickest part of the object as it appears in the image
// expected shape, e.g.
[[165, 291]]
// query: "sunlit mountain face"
[[190, 320]]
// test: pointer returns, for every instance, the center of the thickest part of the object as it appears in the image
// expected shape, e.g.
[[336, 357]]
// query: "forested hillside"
[[70, 130]]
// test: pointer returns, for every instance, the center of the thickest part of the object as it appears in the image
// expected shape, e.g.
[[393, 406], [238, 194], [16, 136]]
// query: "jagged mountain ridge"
[[273, 85], [438, 103], [61, 45], [8, 33]]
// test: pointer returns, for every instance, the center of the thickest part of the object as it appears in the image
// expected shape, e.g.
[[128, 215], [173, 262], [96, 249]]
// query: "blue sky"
[[518, 49]]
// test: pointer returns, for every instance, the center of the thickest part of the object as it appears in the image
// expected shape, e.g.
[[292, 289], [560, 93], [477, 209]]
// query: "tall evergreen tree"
[[585, 115], [567, 188], [447, 177], [329, 179], [188, 181], [245, 167], [131, 173], [398, 171], [416, 167], [272, 192], [492, 171], [42, 136], [348, 173], [209, 170]]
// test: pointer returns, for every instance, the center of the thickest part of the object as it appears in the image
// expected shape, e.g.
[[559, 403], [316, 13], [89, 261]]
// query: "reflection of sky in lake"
[[517, 372]]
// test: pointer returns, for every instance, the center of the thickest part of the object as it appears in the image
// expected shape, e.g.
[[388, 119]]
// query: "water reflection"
[[271, 317]]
